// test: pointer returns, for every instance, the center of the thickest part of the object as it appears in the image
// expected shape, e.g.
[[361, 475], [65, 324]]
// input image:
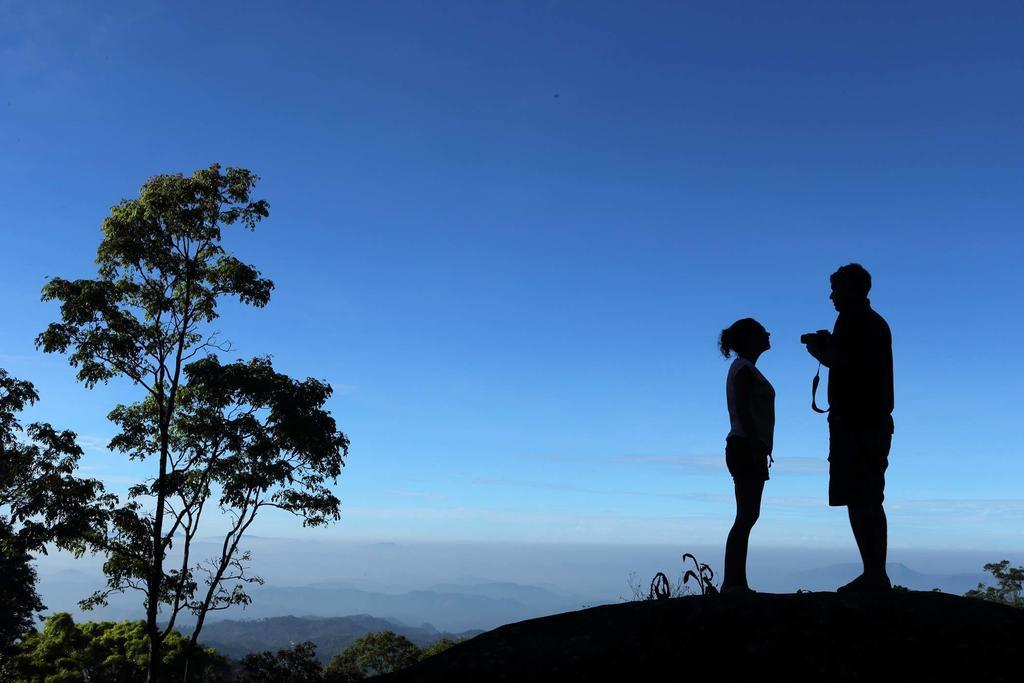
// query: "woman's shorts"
[[857, 460], [742, 463]]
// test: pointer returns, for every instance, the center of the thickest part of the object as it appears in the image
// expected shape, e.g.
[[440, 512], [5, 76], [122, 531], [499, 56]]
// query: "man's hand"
[[819, 346]]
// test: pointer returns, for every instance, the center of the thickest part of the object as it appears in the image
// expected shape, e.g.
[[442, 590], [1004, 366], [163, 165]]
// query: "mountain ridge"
[[236, 638]]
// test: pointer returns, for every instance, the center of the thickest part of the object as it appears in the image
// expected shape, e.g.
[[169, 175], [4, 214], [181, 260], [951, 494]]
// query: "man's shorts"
[[742, 464], [857, 460]]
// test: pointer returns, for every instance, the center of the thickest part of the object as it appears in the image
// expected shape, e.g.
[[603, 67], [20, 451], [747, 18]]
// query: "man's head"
[[850, 286]]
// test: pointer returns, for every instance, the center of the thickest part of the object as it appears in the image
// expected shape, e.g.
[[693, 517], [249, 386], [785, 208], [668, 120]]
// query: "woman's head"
[[744, 336]]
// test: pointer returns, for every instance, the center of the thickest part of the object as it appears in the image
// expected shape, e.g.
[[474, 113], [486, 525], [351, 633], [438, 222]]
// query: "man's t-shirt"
[[860, 390]]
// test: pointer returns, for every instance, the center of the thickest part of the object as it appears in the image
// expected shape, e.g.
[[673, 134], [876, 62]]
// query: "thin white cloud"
[[802, 502], [4, 357], [975, 508], [417, 495], [91, 443], [710, 463], [541, 522], [716, 463], [1007, 504], [688, 462], [938, 506], [800, 466], [691, 463], [553, 486]]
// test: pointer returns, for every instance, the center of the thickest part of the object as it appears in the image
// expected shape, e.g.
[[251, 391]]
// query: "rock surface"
[[898, 636]]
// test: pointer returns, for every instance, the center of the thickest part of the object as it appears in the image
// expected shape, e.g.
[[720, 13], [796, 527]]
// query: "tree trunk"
[[157, 568]]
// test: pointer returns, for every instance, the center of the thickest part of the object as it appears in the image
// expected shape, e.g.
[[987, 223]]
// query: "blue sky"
[[509, 233]]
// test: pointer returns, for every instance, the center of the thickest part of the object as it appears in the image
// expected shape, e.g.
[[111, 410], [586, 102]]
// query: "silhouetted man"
[[858, 353]]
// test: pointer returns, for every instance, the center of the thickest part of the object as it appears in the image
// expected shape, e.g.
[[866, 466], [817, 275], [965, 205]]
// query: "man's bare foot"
[[865, 584]]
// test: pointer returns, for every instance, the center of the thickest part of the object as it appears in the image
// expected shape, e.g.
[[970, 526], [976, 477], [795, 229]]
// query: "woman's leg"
[[748, 509]]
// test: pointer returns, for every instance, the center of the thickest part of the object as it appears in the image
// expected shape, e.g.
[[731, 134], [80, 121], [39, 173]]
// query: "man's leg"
[[870, 528]]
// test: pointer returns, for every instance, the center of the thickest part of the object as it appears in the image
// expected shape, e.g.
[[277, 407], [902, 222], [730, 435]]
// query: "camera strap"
[[814, 390]]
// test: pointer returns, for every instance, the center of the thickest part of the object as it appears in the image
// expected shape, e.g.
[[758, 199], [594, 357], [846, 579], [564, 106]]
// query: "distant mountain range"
[[450, 606], [445, 606], [830, 577], [480, 606], [331, 635]]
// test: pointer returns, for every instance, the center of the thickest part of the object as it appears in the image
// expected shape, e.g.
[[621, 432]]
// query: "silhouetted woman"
[[748, 447]]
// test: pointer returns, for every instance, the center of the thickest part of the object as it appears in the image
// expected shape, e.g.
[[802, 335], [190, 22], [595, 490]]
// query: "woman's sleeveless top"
[[762, 404]]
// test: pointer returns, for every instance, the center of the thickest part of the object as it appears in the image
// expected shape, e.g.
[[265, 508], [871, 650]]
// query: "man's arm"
[[827, 352]]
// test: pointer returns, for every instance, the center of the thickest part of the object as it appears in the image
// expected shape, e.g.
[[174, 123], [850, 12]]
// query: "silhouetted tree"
[[297, 664], [19, 601], [371, 655], [241, 433], [1010, 587], [343, 669], [41, 502]]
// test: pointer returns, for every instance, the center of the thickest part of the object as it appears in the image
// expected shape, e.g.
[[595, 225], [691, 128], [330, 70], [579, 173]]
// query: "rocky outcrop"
[[898, 636]]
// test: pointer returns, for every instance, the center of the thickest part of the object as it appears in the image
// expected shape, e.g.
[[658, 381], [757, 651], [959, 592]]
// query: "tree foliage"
[[239, 434], [297, 664], [41, 502], [373, 654], [19, 601], [437, 647], [105, 651], [1009, 589]]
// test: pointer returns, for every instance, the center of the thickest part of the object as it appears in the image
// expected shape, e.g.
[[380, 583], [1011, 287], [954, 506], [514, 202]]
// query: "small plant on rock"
[[703, 576], [662, 589]]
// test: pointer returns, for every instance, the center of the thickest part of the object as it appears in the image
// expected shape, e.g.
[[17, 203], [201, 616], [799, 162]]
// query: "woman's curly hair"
[[737, 336]]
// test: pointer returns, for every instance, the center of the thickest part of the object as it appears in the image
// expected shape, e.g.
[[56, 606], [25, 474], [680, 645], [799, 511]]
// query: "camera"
[[819, 337]]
